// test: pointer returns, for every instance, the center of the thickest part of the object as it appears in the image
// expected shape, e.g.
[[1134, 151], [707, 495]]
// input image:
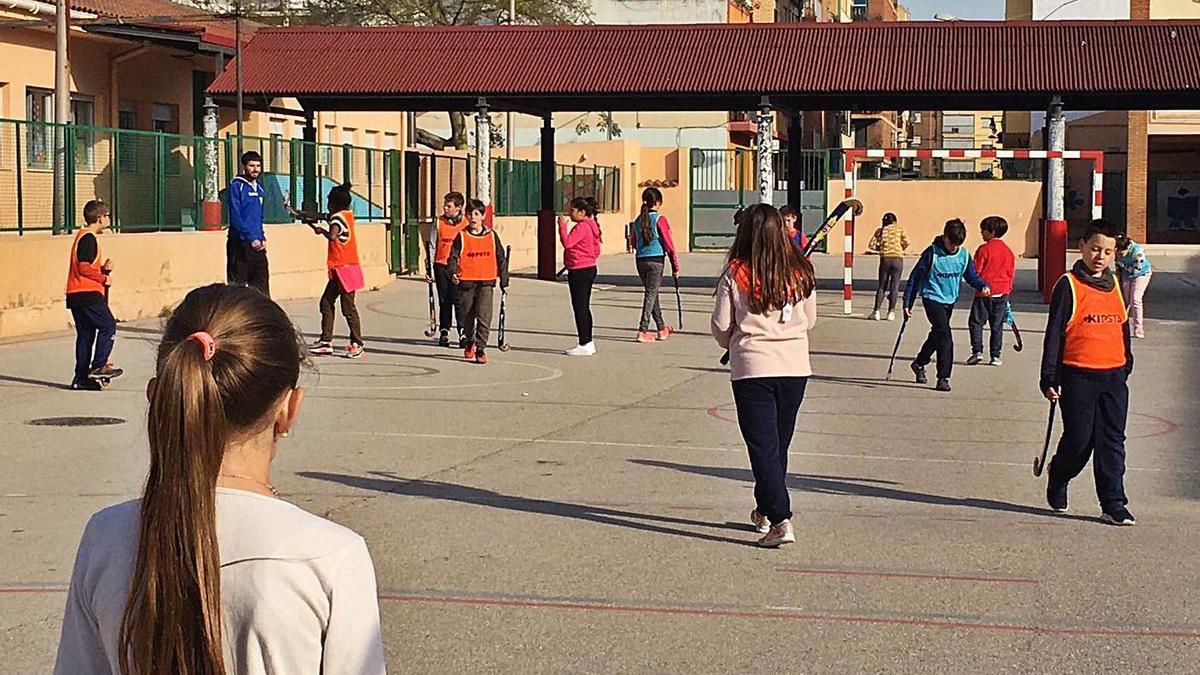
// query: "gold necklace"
[[274, 492]]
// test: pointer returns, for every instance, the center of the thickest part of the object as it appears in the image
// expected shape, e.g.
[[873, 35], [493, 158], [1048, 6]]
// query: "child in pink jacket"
[[581, 246]]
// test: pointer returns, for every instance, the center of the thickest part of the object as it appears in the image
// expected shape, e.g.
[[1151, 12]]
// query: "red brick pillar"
[[1137, 178]]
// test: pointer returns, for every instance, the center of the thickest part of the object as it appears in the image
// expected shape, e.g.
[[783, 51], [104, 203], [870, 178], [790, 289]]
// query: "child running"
[[87, 298], [995, 262], [890, 241], [1086, 363], [345, 274], [449, 224], [650, 237], [937, 279], [581, 246], [1135, 271], [476, 261], [765, 305], [210, 571]]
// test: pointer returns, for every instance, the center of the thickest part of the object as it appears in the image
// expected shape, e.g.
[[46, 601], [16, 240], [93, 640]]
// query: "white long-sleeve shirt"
[[298, 592], [762, 345]]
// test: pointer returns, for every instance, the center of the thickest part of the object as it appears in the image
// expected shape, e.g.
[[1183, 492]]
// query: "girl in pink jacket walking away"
[[581, 244]]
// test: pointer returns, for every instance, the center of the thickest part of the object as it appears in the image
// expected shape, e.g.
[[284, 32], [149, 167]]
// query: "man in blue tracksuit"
[[246, 248], [937, 277]]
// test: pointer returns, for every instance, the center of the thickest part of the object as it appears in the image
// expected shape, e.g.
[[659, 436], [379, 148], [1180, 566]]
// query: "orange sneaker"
[[481, 358], [665, 332], [469, 354], [645, 336]]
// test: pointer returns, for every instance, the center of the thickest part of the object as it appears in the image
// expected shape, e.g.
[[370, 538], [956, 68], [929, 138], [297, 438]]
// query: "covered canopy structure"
[[538, 70]]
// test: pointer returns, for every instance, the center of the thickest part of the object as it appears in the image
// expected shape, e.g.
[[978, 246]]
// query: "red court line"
[[794, 616], [907, 575], [60, 589]]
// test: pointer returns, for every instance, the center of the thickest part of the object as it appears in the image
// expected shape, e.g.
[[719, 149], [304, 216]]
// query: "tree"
[[606, 123], [441, 13]]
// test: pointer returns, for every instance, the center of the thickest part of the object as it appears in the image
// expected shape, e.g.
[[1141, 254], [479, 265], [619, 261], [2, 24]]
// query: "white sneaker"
[[779, 534], [760, 522], [582, 350], [891, 316], [873, 316]]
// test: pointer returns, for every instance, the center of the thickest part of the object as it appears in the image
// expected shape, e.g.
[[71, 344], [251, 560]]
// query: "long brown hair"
[[777, 272], [172, 620], [651, 197]]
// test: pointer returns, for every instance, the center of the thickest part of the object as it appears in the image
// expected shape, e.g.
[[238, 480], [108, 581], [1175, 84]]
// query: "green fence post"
[[228, 160], [20, 190], [160, 182], [345, 163], [68, 222], [115, 206], [395, 217], [412, 204], [370, 183]]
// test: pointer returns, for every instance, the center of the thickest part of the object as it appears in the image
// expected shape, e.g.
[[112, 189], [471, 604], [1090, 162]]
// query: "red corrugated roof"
[[167, 15], [671, 66]]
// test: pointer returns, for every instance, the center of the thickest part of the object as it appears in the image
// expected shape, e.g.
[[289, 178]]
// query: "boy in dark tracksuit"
[[1086, 362], [446, 230], [87, 298], [997, 265], [476, 261], [937, 278]]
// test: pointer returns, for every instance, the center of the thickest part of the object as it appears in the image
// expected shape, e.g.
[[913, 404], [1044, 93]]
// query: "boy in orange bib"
[[1086, 362], [476, 262], [87, 298]]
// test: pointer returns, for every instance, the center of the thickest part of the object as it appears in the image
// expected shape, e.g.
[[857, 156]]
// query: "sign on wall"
[[1178, 206]]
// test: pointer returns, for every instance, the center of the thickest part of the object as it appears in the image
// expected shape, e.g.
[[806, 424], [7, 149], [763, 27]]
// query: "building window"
[[389, 141], [165, 118], [958, 124], [277, 145], [39, 108], [127, 143], [325, 156]]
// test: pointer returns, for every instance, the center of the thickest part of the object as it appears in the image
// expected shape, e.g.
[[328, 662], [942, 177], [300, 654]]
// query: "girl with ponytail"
[[210, 573], [650, 237], [581, 249]]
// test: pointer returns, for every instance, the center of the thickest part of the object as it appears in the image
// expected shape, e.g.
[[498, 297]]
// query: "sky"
[[923, 10]]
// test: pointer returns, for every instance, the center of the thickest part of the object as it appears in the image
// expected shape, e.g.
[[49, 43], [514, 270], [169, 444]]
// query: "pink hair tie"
[[206, 341]]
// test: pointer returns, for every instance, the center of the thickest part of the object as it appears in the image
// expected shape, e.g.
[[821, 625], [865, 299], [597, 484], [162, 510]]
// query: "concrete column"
[[547, 252], [795, 167], [1137, 177], [1054, 240], [765, 154], [483, 153], [211, 209], [309, 197]]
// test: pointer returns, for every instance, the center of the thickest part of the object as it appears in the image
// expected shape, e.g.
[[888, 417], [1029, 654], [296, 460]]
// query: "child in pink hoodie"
[[581, 246]]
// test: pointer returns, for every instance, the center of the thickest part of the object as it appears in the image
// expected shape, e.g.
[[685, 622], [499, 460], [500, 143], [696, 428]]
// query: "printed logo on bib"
[[1103, 318]]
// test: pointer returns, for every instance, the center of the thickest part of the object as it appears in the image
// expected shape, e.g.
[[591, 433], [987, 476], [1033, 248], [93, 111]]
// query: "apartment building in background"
[[1152, 176]]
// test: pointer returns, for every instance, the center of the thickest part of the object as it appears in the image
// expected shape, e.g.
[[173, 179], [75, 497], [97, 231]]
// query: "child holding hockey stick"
[[449, 225], [345, 273], [476, 261], [998, 266], [650, 237], [937, 278], [1086, 363]]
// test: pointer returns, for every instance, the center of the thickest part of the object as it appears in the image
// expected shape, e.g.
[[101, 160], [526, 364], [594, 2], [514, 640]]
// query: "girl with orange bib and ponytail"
[[1086, 362], [765, 305], [210, 572], [345, 274]]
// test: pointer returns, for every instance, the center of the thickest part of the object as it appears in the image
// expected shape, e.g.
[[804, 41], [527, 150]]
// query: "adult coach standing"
[[246, 248]]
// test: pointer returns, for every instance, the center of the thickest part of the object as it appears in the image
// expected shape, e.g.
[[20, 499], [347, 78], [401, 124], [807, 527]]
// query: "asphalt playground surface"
[[550, 514]]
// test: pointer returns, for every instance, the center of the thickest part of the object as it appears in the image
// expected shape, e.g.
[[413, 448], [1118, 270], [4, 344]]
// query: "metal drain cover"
[[75, 421]]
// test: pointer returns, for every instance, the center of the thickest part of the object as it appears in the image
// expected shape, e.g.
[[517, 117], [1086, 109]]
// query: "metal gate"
[[723, 180]]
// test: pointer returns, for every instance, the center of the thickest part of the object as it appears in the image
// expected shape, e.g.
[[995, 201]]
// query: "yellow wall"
[[1174, 9], [154, 271], [923, 207]]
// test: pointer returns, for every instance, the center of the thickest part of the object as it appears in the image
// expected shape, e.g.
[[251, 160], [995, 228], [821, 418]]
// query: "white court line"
[[711, 448], [554, 374]]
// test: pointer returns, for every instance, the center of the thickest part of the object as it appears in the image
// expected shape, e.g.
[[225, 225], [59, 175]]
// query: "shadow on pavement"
[[30, 381], [858, 487], [381, 481]]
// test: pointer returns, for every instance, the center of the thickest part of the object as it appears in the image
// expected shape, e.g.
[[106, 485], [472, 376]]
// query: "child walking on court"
[[937, 278], [890, 241], [650, 238], [449, 225], [87, 298], [345, 274], [995, 262], [249, 583], [765, 305], [1135, 272], [1086, 363], [581, 249], [476, 261]]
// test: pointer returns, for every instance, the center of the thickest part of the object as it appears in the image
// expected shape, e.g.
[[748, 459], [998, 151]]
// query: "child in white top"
[[247, 582]]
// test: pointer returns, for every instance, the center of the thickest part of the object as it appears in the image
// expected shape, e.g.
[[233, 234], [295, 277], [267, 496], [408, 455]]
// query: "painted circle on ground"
[[727, 412], [405, 370], [75, 422], [550, 374]]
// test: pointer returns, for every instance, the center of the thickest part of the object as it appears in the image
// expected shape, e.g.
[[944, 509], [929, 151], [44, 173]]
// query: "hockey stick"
[[1039, 463], [501, 336], [678, 300], [1012, 321], [896, 349], [432, 330]]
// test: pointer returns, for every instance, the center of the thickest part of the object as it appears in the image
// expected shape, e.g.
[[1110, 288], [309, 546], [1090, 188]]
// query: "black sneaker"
[[105, 372], [462, 341], [1118, 515], [942, 384], [444, 339], [1056, 497], [975, 359], [86, 385], [919, 371]]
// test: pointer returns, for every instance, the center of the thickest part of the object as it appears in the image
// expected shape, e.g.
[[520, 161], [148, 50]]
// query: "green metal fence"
[[517, 184]]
